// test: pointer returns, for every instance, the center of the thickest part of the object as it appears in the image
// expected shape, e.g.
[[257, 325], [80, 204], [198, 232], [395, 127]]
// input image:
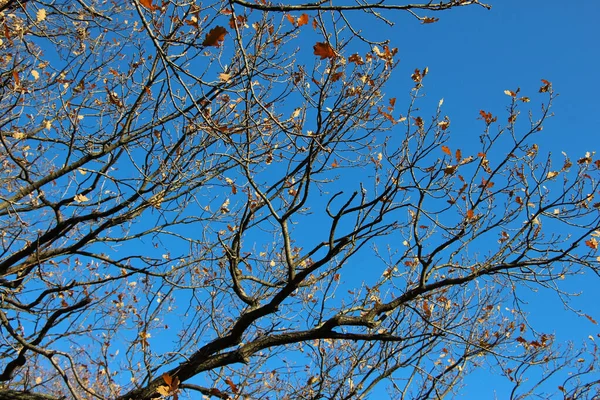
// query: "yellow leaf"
[[163, 390], [41, 15], [551, 174], [223, 77], [35, 74], [80, 198]]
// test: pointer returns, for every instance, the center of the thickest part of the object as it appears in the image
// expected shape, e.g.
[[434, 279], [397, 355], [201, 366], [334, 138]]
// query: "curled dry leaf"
[[324, 50], [215, 37]]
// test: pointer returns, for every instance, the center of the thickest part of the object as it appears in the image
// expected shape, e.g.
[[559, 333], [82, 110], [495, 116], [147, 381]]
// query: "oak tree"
[[224, 199]]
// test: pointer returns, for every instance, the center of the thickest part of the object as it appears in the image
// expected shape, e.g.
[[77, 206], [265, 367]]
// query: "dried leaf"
[[148, 4], [291, 19], [215, 37], [163, 390], [223, 77], [167, 378], [447, 150], [552, 174], [232, 385], [302, 20], [510, 93], [356, 58], [592, 243], [40, 15], [323, 50], [80, 198], [429, 20]]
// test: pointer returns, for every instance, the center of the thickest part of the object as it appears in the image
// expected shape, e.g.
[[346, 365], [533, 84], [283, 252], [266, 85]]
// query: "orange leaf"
[[148, 5], [357, 59], [458, 155], [323, 50], [167, 378], [470, 214], [15, 75], [429, 20], [232, 385], [215, 37], [592, 243], [447, 150], [302, 20], [291, 19]]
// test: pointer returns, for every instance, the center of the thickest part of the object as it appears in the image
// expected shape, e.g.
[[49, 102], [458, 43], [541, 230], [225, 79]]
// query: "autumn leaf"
[[80, 198], [447, 150], [232, 385], [546, 86], [163, 390], [552, 174], [223, 77], [429, 20], [302, 20], [592, 243], [470, 214], [15, 75], [487, 117], [323, 50], [215, 37], [450, 169], [356, 58], [510, 93], [167, 378], [148, 5], [40, 15], [418, 122]]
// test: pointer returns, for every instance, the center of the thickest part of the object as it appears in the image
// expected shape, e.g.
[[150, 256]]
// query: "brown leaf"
[[546, 86], [232, 385], [447, 150], [429, 20], [302, 20], [15, 75], [148, 5], [356, 58], [167, 378], [592, 243], [323, 50], [470, 214], [450, 169], [215, 37], [291, 19]]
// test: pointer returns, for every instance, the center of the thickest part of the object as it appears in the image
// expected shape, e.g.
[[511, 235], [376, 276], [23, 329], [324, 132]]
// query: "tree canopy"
[[222, 199]]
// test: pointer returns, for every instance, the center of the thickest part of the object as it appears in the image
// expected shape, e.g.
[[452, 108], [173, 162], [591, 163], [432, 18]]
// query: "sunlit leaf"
[[148, 4], [40, 15], [324, 50], [80, 198], [447, 150]]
